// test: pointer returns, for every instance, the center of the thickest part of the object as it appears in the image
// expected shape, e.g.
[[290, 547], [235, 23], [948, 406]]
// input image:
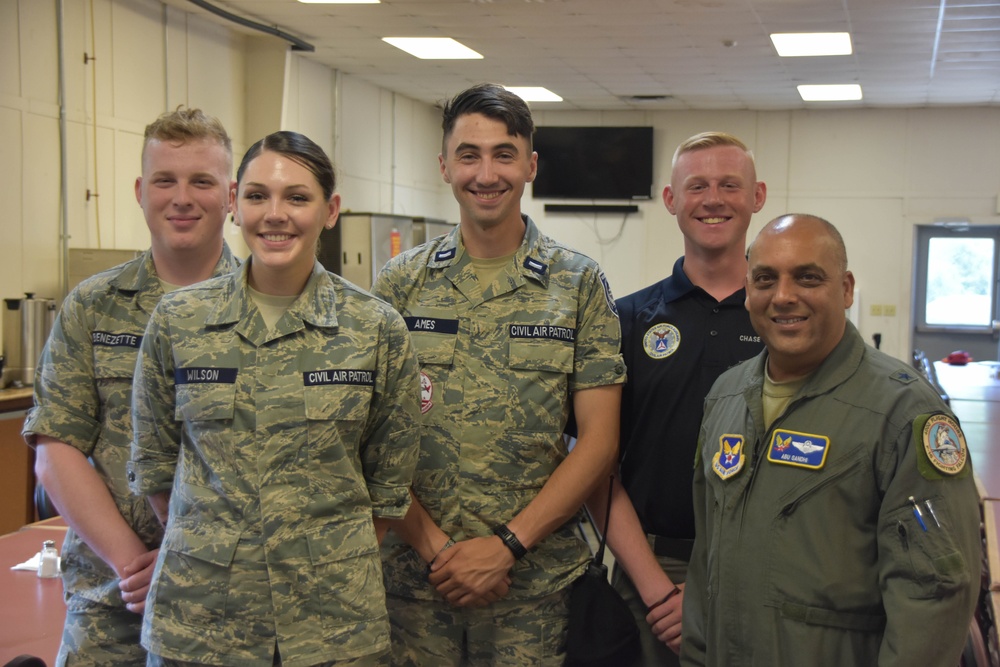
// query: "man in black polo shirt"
[[678, 336]]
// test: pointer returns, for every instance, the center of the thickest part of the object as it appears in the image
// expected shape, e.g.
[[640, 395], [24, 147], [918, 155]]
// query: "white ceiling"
[[702, 54]]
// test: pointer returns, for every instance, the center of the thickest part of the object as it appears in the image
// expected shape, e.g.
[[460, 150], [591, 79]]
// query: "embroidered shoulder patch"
[[940, 445], [729, 459], [804, 450]]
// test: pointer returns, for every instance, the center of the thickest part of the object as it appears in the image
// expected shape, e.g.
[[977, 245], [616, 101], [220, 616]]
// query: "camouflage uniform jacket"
[[83, 394], [498, 366], [279, 447]]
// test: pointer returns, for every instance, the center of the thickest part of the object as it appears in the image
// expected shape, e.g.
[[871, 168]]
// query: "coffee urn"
[[26, 326]]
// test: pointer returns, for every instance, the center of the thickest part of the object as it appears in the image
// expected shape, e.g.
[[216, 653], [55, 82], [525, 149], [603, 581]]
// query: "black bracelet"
[[510, 541]]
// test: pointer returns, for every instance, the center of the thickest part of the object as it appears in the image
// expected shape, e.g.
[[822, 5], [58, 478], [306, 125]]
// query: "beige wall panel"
[[265, 81], [359, 146], [130, 231], [78, 75], [879, 252], [11, 193], [137, 39], [40, 190], [417, 128], [852, 153], [79, 170], [10, 39], [953, 152], [99, 75], [310, 93], [38, 51], [215, 74], [175, 57]]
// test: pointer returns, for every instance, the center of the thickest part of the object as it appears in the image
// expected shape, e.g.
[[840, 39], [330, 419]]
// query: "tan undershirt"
[[271, 307], [488, 269], [777, 396]]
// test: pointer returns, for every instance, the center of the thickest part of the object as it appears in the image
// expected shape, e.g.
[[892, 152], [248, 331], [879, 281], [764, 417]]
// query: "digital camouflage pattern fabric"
[[498, 367], [279, 447], [83, 393]]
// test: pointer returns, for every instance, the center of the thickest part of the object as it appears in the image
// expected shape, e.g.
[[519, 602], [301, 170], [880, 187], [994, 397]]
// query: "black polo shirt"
[[676, 340]]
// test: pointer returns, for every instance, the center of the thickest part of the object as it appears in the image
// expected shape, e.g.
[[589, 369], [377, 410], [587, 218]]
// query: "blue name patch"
[[542, 331], [108, 339], [432, 324], [339, 376], [805, 450], [201, 375]]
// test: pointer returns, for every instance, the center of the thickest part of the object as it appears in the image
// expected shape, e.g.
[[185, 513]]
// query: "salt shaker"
[[48, 560]]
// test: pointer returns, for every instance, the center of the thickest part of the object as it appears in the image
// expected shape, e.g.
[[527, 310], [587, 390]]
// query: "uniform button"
[[619, 369], [715, 310], [131, 476], [714, 333]]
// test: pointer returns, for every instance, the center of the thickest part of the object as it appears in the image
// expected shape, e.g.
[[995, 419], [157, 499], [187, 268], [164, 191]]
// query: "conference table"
[[974, 390], [33, 611]]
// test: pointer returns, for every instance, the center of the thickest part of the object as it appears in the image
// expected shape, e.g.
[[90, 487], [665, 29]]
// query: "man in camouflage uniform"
[[81, 427], [277, 447], [511, 330]]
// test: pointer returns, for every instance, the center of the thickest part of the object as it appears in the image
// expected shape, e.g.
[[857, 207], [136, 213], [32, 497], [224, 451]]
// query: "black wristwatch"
[[510, 541]]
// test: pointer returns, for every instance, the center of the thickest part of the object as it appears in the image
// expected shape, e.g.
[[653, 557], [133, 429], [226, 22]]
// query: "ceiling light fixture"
[[795, 44], [534, 93], [830, 93], [433, 48]]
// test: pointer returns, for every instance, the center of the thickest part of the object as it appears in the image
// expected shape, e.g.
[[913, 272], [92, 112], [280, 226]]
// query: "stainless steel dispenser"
[[26, 326]]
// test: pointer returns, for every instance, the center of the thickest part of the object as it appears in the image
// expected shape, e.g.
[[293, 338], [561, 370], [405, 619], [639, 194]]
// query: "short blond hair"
[[184, 124], [710, 140]]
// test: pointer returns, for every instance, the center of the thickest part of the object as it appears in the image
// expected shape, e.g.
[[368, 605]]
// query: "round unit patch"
[[945, 445], [661, 340], [426, 393]]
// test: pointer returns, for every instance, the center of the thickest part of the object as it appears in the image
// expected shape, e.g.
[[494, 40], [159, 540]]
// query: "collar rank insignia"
[[729, 459], [945, 445], [803, 450]]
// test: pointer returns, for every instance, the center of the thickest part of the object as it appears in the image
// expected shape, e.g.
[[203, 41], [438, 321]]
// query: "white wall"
[[873, 173]]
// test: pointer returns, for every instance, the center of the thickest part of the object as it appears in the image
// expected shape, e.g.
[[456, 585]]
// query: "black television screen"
[[594, 162]]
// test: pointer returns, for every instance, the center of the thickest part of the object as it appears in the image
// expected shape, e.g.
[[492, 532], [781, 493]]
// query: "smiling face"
[[281, 210], [487, 169], [184, 195], [797, 291], [714, 192]]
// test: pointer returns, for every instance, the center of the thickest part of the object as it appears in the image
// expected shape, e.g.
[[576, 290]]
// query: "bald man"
[[831, 527]]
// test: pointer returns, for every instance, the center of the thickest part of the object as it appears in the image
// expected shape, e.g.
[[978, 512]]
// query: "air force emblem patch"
[[661, 340], [729, 459], [804, 450]]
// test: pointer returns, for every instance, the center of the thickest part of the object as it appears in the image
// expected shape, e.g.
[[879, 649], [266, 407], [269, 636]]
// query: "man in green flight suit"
[[832, 526]]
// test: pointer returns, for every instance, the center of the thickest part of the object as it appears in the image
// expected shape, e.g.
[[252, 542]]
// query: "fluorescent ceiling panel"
[[830, 93], [534, 93], [794, 44], [433, 48]]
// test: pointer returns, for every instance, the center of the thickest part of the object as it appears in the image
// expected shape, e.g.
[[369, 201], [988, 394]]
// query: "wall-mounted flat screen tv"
[[594, 163]]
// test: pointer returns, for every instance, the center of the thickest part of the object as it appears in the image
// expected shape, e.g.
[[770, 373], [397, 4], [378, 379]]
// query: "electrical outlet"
[[876, 310], [889, 309]]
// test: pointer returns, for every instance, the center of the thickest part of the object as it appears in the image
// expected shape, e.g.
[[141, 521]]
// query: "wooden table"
[[33, 611]]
